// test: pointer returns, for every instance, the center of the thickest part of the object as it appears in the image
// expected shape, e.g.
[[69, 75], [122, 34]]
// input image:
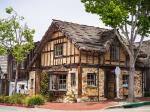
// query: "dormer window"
[[58, 50], [115, 53]]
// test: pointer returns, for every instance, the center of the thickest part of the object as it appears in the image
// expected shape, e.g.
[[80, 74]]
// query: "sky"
[[39, 13]]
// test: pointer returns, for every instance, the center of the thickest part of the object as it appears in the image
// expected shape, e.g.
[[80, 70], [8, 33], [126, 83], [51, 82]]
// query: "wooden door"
[[111, 85]]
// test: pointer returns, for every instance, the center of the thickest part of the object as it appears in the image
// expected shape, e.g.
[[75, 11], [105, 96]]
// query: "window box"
[[92, 91]]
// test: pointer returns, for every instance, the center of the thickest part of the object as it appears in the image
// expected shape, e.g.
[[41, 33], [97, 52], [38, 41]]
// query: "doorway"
[[110, 84]]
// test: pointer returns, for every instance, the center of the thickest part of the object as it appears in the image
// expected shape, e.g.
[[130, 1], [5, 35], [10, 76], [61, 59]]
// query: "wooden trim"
[[70, 51], [93, 58], [86, 57], [48, 51], [58, 73], [66, 50], [60, 37], [74, 55], [66, 56], [79, 77], [79, 82]]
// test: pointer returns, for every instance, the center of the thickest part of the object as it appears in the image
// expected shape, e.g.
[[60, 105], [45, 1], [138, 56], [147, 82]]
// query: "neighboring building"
[[81, 61], [144, 63], [24, 76], [3, 75]]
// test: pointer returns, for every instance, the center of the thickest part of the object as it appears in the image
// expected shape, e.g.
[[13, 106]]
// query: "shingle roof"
[[144, 62], [82, 36]]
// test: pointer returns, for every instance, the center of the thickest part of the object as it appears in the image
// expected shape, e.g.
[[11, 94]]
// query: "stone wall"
[[85, 95], [72, 92], [30, 86], [137, 83]]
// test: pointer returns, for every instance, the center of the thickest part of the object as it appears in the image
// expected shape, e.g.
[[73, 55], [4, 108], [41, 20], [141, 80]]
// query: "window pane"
[[91, 80], [114, 53], [52, 82], [62, 81], [58, 49]]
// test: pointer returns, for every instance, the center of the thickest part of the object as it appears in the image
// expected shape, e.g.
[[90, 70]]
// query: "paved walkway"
[[87, 105], [74, 107], [78, 106]]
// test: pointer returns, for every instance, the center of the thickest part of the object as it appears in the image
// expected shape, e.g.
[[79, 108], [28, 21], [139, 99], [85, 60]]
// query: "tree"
[[132, 17], [15, 39]]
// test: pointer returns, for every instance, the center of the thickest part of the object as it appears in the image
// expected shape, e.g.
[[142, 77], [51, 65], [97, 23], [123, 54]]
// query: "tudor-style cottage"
[[81, 61]]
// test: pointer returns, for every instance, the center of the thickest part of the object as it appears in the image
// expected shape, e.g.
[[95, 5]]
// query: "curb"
[[130, 105], [112, 107], [133, 105]]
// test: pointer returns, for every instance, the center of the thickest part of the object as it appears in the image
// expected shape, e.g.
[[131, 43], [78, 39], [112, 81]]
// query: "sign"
[[117, 70]]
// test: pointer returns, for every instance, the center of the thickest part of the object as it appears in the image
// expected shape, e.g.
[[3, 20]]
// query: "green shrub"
[[35, 100], [147, 93], [6, 99], [17, 98], [2, 99]]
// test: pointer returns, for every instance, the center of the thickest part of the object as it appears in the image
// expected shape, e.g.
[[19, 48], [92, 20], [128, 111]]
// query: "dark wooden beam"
[[79, 78]]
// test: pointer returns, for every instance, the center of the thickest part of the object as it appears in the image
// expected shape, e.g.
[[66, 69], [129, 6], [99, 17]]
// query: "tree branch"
[[125, 33], [122, 42], [135, 23], [138, 48], [132, 28]]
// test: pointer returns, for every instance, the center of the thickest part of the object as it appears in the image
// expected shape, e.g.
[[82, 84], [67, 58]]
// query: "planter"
[[92, 91]]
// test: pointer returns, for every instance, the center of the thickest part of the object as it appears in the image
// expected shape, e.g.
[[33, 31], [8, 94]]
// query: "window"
[[125, 80], [58, 50], [91, 79], [58, 82], [73, 79], [114, 53]]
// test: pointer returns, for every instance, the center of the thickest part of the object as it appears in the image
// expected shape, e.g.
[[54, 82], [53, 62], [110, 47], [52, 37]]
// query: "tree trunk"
[[16, 78], [131, 81], [131, 76]]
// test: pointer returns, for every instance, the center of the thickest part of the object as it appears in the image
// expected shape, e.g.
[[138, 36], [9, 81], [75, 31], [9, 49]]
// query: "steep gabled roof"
[[82, 36]]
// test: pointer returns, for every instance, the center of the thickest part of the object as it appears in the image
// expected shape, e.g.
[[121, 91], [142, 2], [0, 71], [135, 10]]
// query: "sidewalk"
[[87, 105], [78, 106]]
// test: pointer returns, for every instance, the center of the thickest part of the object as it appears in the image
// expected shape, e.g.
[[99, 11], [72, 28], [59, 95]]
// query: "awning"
[[57, 69]]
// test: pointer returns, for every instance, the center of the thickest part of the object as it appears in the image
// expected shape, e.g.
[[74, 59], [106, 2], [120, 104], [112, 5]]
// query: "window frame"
[[57, 82], [94, 79], [125, 80], [56, 51], [115, 53]]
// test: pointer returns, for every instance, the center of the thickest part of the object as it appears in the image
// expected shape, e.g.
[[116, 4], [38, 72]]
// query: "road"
[[20, 109]]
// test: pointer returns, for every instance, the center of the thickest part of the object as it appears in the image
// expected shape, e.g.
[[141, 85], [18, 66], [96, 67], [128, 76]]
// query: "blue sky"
[[39, 13]]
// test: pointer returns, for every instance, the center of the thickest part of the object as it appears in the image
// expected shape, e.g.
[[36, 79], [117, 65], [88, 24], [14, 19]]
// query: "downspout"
[[98, 73]]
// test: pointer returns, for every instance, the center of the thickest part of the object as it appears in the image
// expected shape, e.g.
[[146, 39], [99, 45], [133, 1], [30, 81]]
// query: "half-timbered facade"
[[81, 61]]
